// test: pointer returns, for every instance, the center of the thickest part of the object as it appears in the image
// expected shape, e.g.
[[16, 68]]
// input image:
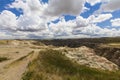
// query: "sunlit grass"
[[53, 65]]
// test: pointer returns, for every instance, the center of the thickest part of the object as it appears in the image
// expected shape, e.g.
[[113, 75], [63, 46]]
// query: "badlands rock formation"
[[86, 56]]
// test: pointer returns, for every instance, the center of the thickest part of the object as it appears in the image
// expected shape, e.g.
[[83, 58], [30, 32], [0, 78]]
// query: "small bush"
[[3, 59]]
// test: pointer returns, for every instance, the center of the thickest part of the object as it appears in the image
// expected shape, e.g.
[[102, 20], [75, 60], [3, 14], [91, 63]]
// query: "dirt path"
[[15, 69]]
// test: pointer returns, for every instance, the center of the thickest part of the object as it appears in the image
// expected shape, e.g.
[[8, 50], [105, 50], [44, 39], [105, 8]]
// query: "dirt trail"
[[19, 53], [15, 71]]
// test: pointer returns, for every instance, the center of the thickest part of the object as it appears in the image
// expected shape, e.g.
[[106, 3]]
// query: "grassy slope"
[[53, 65]]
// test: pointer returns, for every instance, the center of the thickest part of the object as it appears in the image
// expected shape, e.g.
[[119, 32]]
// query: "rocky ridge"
[[86, 56]]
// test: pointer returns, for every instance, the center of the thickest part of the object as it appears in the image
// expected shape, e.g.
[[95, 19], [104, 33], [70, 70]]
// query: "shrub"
[[3, 59]]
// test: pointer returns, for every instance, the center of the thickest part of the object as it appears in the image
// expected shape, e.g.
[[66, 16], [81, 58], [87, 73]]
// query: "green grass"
[[53, 65], [3, 59]]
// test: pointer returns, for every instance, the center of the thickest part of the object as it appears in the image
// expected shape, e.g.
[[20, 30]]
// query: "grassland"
[[53, 65]]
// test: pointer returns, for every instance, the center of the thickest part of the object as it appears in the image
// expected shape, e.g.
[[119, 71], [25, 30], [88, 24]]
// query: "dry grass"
[[3, 42], [53, 65], [114, 44]]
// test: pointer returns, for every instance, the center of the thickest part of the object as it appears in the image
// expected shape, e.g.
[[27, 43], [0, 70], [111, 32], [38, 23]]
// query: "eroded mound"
[[86, 56]]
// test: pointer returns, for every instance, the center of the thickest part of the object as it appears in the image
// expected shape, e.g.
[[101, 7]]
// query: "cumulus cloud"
[[32, 18], [33, 23], [28, 7], [85, 28], [62, 28], [96, 31], [62, 7], [115, 22], [8, 20], [100, 18], [111, 5], [81, 22]]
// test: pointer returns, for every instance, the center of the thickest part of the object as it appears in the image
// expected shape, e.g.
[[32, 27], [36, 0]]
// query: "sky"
[[58, 19]]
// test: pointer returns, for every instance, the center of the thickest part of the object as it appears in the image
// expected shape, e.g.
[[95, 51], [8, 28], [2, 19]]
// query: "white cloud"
[[115, 22], [62, 7], [62, 28], [81, 22], [100, 18], [84, 28], [7, 20], [33, 18], [111, 5], [96, 31], [33, 22], [4, 35], [93, 2], [29, 7]]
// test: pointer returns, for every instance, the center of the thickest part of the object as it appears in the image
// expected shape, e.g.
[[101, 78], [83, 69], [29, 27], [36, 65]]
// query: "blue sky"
[[58, 20], [3, 6]]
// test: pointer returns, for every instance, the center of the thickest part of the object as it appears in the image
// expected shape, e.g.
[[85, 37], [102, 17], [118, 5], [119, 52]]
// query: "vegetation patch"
[[53, 65], [3, 59]]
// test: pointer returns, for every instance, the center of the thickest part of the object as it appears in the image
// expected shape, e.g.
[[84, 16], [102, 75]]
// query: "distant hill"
[[89, 42]]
